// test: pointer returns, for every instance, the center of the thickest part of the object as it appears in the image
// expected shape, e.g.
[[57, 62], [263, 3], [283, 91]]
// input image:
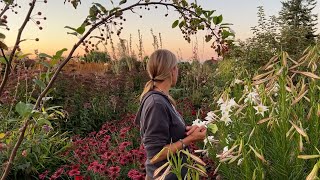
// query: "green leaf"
[[213, 128], [46, 64], [201, 27], [23, 56], [3, 45], [44, 55], [2, 36], [198, 11], [81, 29], [208, 38], [59, 53], [41, 84], [68, 27], [43, 121], [182, 23], [122, 2], [102, 8], [2, 60], [114, 10], [175, 24], [217, 19], [75, 3], [2, 135], [24, 109], [210, 13], [94, 11]]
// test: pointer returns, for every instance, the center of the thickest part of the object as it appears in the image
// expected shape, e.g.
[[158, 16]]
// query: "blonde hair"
[[159, 68]]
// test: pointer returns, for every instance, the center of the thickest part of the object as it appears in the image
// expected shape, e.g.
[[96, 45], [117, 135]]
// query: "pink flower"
[[74, 172], [135, 175], [114, 172], [43, 175], [107, 156], [57, 174], [123, 145], [24, 153], [96, 167]]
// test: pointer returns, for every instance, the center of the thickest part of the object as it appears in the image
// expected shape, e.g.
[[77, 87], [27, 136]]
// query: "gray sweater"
[[160, 124]]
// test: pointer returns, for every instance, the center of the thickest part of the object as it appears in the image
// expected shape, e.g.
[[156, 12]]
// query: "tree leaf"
[[3, 46], [24, 109], [217, 19], [122, 2], [23, 56], [81, 29], [44, 55], [102, 8], [2, 36], [182, 23], [175, 24], [2, 60], [68, 27], [59, 53], [41, 84]]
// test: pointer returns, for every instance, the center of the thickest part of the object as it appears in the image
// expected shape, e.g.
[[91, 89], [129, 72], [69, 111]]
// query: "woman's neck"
[[162, 87]]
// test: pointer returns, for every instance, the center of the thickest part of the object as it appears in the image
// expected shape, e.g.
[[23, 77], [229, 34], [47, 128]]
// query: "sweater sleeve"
[[157, 133]]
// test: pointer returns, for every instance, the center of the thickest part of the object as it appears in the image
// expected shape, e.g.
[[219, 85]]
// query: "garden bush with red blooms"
[[114, 152]]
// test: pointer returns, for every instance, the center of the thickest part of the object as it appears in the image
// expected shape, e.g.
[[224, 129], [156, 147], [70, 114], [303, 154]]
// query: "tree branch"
[[15, 47], [54, 77], [4, 9]]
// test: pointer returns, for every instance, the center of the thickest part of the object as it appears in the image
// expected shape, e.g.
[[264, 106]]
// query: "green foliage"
[[97, 56], [270, 145]]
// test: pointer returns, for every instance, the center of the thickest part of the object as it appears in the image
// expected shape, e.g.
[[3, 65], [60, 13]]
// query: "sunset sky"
[[241, 13]]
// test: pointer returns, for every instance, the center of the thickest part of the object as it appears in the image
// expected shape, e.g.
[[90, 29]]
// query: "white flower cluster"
[[209, 119], [254, 98], [226, 109]]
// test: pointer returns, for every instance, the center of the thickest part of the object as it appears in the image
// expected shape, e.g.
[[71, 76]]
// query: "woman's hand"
[[191, 129], [194, 134]]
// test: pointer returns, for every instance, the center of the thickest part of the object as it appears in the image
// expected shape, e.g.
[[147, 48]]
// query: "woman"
[[160, 124]]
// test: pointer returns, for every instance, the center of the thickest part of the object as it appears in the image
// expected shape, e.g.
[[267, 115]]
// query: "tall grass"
[[272, 143]]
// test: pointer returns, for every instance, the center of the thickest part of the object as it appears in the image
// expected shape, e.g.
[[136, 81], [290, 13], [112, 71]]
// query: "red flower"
[[107, 156], [135, 175], [114, 170], [194, 112], [43, 175], [57, 174], [96, 167], [74, 172], [123, 145]]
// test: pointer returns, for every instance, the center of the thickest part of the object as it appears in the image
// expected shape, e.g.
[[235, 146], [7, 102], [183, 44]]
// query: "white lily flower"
[[238, 81], [252, 97], [209, 139], [225, 108], [232, 102], [225, 149], [220, 101], [240, 161], [203, 152], [261, 109], [226, 119], [276, 88], [199, 123], [211, 117]]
